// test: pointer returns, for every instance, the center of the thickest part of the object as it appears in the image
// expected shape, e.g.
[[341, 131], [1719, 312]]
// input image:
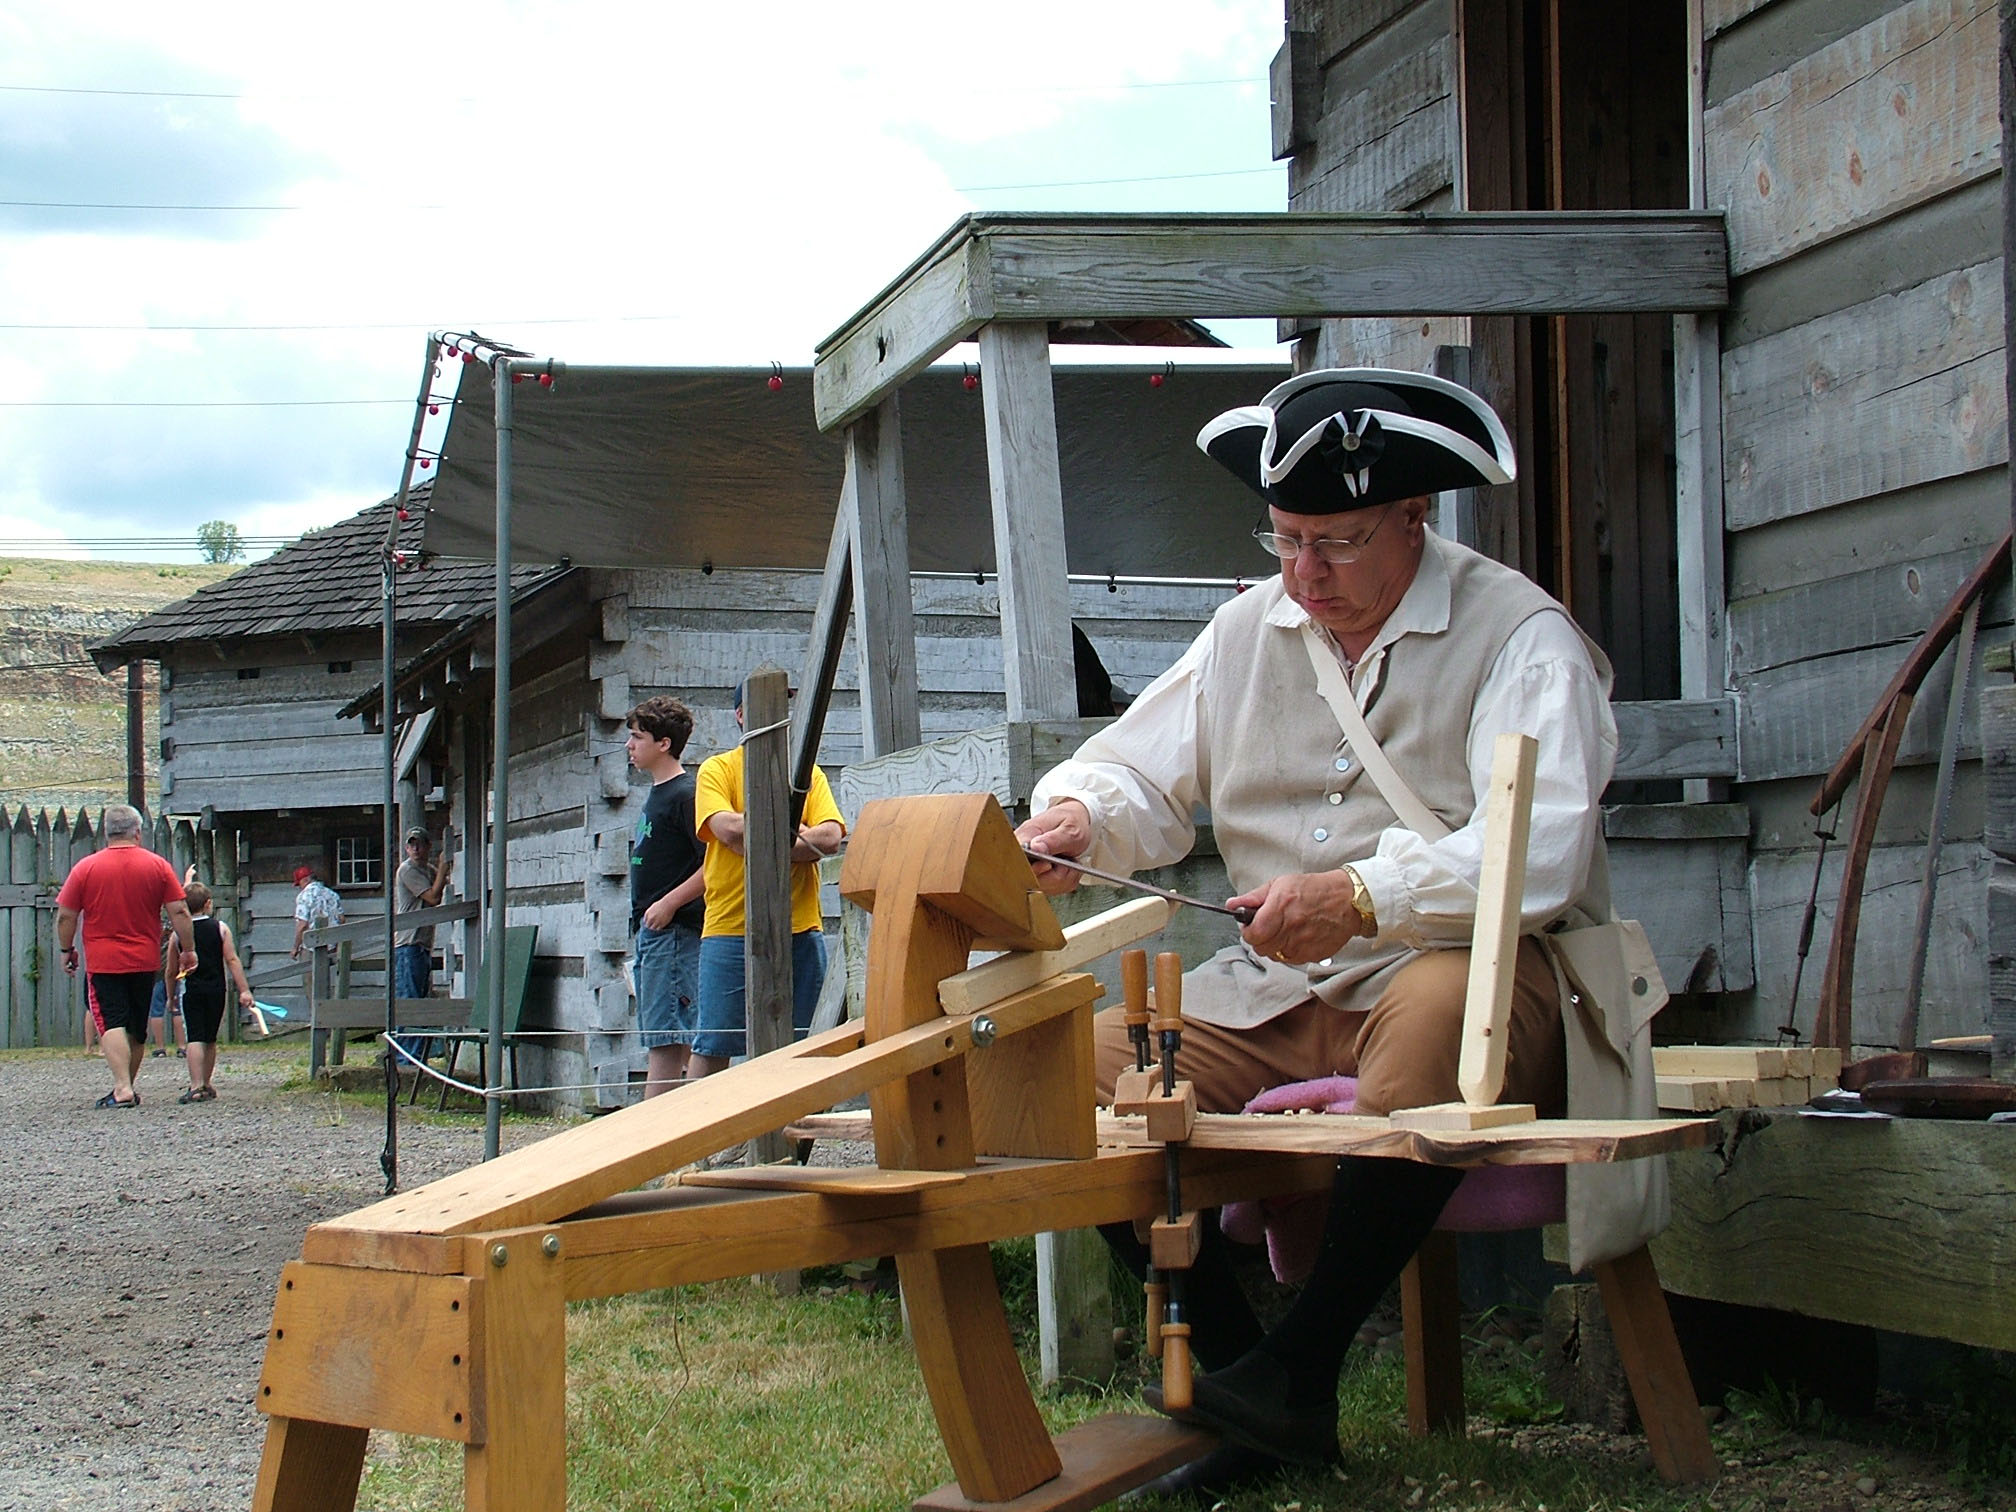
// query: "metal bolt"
[[499, 1254], [551, 1244], [983, 1032]]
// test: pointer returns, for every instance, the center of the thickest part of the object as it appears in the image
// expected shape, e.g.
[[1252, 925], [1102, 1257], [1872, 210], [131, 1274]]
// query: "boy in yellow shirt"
[[720, 801]]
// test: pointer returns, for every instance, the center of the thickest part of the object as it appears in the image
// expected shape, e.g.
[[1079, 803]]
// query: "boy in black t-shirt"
[[666, 907]]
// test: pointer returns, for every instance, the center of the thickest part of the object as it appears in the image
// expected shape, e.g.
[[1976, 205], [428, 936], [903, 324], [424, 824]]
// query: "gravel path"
[[142, 1250]]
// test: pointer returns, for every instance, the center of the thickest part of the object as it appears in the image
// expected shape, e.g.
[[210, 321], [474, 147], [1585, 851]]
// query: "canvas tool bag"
[[1610, 990]]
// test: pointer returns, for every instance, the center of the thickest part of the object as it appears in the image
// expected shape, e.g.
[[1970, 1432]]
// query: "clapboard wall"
[[249, 725], [1854, 146]]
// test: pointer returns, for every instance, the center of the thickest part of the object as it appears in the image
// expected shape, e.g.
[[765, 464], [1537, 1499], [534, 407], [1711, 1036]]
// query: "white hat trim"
[[1400, 378]]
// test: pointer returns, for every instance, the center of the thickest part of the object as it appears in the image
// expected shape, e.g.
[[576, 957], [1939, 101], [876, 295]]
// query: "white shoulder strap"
[[1336, 692]]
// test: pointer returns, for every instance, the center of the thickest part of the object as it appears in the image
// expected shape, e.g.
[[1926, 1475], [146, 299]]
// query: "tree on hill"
[[219, 541]]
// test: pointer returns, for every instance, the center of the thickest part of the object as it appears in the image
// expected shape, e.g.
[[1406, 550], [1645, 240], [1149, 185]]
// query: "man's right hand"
[[1063, 829]]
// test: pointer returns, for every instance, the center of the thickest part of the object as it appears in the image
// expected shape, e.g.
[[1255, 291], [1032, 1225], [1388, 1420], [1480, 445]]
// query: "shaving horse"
[[442, 1311]]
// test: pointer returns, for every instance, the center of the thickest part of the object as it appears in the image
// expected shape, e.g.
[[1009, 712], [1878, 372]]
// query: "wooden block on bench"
[[1703, 1094], [1174, 1246], [1102, 1458], [1440, 1117], [1729, 1062], [1131, 1091]]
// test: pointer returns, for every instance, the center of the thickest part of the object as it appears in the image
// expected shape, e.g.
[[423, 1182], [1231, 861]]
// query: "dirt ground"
[[142, 1250]]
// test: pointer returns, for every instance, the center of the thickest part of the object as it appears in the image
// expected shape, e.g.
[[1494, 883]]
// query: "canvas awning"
[[626, 466]]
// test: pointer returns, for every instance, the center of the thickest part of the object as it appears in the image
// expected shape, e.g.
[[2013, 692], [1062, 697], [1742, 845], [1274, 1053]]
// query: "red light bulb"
[[425, 463], [1155, 380], [546, 380], [433, 409], [775, 382], [970, 382]]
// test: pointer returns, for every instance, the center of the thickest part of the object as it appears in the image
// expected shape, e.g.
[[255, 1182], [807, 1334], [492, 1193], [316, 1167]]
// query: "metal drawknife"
[[1242, 915]]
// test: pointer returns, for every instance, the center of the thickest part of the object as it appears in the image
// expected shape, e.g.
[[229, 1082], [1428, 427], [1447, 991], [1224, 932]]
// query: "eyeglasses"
[[1334, 551]]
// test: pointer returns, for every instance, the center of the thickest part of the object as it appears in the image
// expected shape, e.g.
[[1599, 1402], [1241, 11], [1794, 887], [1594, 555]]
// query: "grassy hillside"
[[62, 724]]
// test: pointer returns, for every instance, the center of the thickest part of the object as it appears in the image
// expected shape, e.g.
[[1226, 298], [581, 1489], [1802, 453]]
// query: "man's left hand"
[[1299, 918], [188, 961]]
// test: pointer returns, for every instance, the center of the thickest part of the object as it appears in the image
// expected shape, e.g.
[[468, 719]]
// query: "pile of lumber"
[[1704, 1078]]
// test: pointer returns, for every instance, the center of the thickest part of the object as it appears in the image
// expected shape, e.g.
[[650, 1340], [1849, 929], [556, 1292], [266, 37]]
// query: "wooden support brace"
[[1131, 1091], [1660, 1384], [1431, 1331], [1101, 1458]]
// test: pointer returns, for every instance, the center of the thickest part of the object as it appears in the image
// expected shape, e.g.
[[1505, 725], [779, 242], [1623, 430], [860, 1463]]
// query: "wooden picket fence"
[[40, 1003]]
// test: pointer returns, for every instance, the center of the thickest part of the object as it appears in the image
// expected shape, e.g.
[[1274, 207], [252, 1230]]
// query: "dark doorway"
[[1582, 105]]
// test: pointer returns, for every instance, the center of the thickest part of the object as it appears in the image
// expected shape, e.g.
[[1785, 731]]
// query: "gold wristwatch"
[[1361, 899]]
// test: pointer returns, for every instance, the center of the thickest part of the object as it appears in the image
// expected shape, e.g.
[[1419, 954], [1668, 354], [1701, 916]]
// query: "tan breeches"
[[1403, 1050]]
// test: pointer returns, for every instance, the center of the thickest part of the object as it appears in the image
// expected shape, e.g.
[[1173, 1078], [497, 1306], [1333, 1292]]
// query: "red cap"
[[302, 874]]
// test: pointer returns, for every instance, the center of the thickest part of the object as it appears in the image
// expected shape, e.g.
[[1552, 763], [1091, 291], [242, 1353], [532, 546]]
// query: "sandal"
[[194, 1094], [110, 1100], [206, 1094]]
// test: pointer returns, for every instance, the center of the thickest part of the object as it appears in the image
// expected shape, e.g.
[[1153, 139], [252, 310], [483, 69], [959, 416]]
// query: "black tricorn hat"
[[1349, 438]]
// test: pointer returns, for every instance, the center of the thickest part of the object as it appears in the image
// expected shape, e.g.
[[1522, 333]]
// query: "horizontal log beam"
[[992, 267]]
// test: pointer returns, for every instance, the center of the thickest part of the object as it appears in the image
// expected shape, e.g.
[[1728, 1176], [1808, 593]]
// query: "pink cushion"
[[1491, 1199]]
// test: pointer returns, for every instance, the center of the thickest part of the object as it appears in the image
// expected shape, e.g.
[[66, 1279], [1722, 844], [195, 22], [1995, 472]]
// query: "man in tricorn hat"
[[1355, 963]]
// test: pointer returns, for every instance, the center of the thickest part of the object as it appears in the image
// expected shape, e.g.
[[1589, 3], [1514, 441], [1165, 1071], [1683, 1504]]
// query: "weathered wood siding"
[[1382, 135], [693, 635], [1856, 152], [245, 744]]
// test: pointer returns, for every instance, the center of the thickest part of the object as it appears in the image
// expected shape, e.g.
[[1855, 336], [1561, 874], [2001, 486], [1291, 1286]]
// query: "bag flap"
[[1612, 966]]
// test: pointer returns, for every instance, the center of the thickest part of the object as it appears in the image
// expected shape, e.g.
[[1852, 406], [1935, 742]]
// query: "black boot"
[[1224, 1469], [1222, 1323], [1280, 1397]]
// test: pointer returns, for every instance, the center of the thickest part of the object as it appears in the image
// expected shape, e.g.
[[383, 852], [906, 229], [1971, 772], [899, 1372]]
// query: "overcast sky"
[[226, 229]]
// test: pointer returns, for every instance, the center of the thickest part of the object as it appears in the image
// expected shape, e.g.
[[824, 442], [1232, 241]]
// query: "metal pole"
[[388, 1157], [500, 762]]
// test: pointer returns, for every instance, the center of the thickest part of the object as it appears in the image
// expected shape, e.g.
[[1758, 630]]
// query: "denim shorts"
[[668, 985], [723, 991]]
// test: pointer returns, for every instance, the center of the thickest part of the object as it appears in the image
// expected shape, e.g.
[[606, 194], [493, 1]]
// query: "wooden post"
[[766, 939], [1028, 498], [136, 737], [885, 633], [21, 958]]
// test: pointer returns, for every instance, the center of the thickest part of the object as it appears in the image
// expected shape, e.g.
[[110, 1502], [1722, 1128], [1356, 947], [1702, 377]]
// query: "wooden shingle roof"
[[329, 581]]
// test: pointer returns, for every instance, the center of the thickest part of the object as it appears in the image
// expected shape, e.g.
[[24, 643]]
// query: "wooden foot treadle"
[[1102, 1458]]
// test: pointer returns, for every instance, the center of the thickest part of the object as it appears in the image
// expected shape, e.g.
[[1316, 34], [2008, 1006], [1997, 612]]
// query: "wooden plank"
[[1901, 1224], [1084, 942], [1794, 721], [1494, 945], [1749, 1062], [1682, 737], [998, 266], [413, 1013], [373, 1349], [825, 641], [1719, 15], [1899, 390], [572, 1169], [1100, 1459], [1026, 492], [769, 838], [838, 1182], [1432, 1337], [1547, 1141], [1894, 113], [1441, 1117], [1889, 605], [885, 630]]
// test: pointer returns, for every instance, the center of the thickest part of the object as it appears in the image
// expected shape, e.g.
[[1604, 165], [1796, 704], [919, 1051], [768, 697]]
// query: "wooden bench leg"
[[309, 1467], [1432, 1333], [521, 1464], [1664, 1392]]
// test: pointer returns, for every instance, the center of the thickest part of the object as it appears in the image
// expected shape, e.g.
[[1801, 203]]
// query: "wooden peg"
[[1156, 1295]]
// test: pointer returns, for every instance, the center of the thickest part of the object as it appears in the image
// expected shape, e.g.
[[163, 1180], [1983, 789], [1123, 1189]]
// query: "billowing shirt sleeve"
[[1140, 778], [1544, 685]]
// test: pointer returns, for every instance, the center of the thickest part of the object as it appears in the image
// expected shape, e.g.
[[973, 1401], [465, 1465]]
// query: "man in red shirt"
[[120, 893]]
